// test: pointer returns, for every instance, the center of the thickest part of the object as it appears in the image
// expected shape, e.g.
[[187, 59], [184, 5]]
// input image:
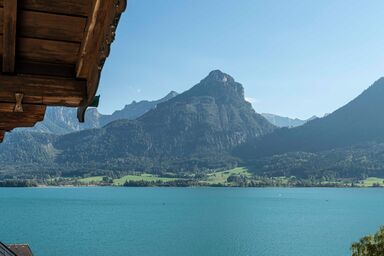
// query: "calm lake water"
[[189, 221]]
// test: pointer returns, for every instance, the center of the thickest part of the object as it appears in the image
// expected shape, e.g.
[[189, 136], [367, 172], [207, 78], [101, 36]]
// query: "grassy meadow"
[[236, 177]]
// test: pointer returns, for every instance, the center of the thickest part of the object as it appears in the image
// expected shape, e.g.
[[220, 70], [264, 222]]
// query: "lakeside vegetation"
[[371, 245], [236, 177]]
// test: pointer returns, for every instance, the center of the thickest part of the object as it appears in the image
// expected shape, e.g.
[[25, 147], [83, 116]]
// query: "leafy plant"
[[372, 245]]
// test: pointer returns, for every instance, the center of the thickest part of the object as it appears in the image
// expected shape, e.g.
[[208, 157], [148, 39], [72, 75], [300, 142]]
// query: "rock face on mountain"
[[282, 121], [135, 109], [61, 120], [206, 121]]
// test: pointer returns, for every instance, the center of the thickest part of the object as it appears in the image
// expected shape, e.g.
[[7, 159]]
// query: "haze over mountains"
[[356, 122], [61, 120], [282, 121], [210, 126]]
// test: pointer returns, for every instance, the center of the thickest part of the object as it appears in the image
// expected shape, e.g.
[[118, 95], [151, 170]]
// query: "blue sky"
[[295, 58]]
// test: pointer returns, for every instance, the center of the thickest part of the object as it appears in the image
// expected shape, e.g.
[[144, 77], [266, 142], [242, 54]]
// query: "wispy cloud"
[[252, 100]]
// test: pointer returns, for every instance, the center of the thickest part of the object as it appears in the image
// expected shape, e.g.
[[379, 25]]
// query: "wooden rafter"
[[2, 134], [52, 54], [43, 90], [9, 35], [100, 33], [29, 117]]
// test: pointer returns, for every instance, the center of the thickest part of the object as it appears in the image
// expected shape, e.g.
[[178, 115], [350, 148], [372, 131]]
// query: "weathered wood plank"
[[47, 51], [2, 135], [99, 34], [43, 90], [67, 7], [45, 69], [21, 117], [9, 35], [29, 118], [89, 47], [6, 107], [48, 26], [51, 26]]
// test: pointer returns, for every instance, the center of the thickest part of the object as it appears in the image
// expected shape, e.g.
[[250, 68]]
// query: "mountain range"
[[62, 120], [209, 127], [347, 142], [192, 131], [282, 121]]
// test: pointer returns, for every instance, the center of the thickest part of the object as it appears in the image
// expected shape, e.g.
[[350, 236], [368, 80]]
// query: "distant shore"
[[237, 177]]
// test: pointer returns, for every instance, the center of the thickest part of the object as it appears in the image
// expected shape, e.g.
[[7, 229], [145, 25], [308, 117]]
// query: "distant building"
[[15, 250]]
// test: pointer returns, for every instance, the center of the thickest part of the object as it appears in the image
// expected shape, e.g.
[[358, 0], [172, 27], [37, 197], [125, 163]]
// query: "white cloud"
[[252, 100]]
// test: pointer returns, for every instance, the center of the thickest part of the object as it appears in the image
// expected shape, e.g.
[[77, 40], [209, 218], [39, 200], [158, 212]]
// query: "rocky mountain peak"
[[218, 76], [218, 85], [170, 95]]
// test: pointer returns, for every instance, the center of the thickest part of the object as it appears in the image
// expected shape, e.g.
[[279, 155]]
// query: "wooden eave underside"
[[52, 54]]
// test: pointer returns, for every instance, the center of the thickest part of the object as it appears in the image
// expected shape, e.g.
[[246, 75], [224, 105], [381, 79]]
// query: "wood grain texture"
[[54, 51], [99, 34], [47, 51], [28, 118], [48, 26], [51, 26], [43, 90], [9, 35], [67, 7], [45, 69], [6, 107]]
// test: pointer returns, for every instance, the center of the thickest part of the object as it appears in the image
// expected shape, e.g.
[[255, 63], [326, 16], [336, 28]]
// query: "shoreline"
[[245, 187]]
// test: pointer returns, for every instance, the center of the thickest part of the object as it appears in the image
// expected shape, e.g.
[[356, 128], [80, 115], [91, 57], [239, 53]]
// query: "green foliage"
[[230, 177], [18, 183], [358, 162], [145, 177], [372, 182], [372, 245], [91, 180]]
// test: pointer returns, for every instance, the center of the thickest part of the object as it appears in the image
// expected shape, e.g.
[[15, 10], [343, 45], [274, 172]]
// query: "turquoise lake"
[[189, 221]]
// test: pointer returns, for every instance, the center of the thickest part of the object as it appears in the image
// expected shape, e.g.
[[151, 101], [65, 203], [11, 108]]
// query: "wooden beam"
[[99, 34], [48, 51], [43, 90], [45, 69], [51, 26], [66, 7], [2, 135], [6, 107], [95, 48], [28, 118], [90, 42], [9, 35]]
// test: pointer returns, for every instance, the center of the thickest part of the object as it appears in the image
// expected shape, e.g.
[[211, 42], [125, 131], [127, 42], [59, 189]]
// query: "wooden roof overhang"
[[52, 53]]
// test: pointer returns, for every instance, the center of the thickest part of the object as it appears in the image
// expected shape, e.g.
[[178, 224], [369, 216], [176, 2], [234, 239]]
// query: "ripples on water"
[[189, 221]]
